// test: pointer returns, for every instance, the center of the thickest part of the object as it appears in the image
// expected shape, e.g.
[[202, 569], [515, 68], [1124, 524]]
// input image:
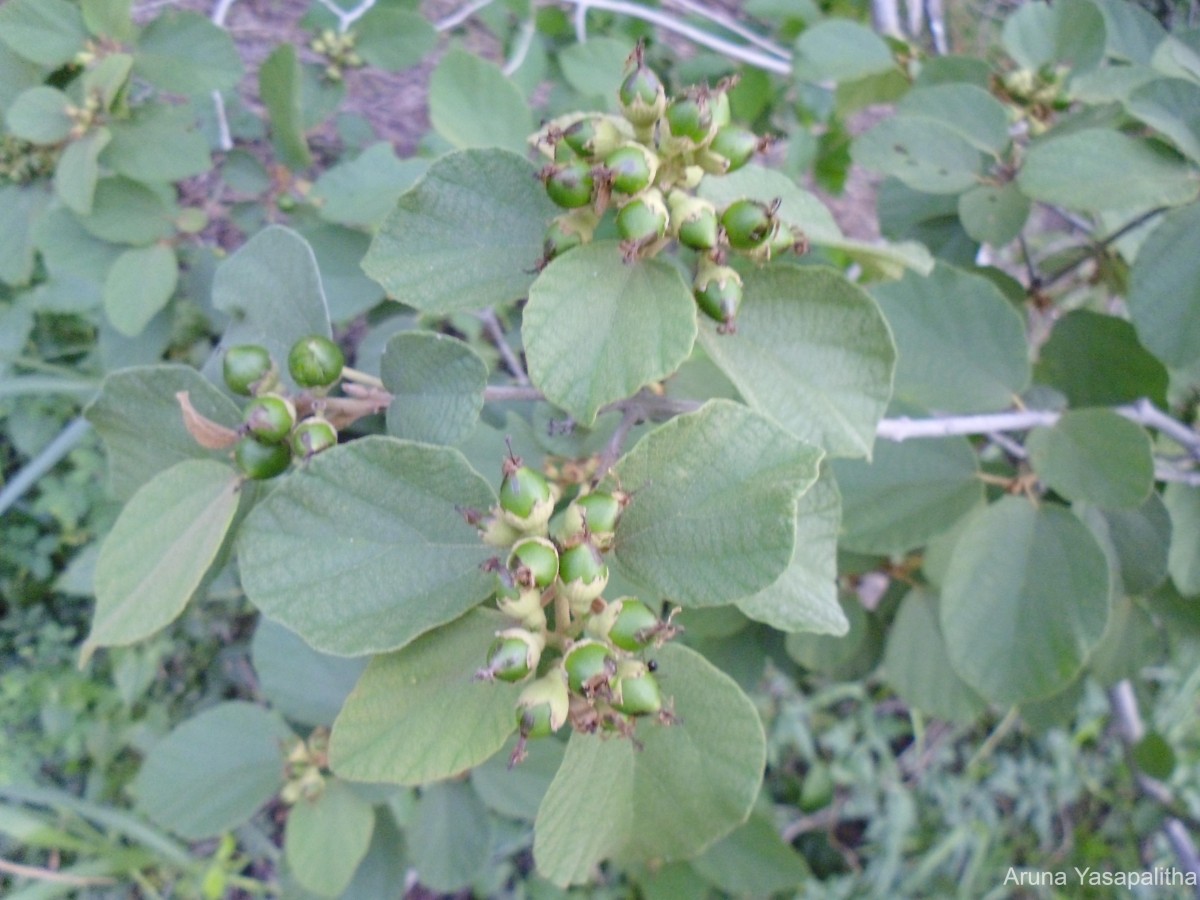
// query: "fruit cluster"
[[271, 434], [647, 164], [580, 653]]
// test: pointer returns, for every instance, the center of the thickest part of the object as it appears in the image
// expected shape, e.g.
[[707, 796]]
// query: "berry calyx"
[[526, 500], [643, 98], [635, 690], [569, 184], [315, 362], [542, 709], [694, 221], [718, 292], [247, 368], [583, 574], [269, 418], [261, 461], [312, 436]]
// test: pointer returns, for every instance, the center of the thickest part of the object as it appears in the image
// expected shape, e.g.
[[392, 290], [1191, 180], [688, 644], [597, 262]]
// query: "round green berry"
[[601, 511], [569, 184], [735, 145], [312, 436], [261, 461], [718, 292], [539, 557], [315, 362], [632, 168], [690, 117], [642, 220], [513, 656], [748, 224], [589, 665], [245, 367], [635, 625], [635, 690], [269, 418], [521, 490]]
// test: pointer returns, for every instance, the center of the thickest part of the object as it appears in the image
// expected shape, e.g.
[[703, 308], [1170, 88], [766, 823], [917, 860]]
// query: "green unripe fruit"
[[539, 557], [690, 117], [261, 461], [589, 665], [558, 241], [718, 292], [312, 436], [521, 490], [569, 184], [694, 221], [734, 144], [635, 690], [513, 656], [601, 510], [269, 418], [635, 625], [583, 575], [246, 367], [748, 224], [315, 362], [643, 98], [632, 168], [543, 706], [643, 219]]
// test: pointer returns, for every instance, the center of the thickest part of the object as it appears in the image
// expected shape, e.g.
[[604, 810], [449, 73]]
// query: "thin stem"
[[903, 428], [495, 330], [734, 27], [616, 443], [581, 23], [504, 393], [361, 377], [347, 17], [671, 23], [224, 135], [520, 47], [993, 740], [36, 873], [1097, 248], [43, 462], [459, 16]]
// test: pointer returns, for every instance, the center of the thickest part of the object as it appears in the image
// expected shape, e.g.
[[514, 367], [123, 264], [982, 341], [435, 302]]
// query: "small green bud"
[[584, 576], [261, 461], [246, 368], [635, 690], [315, 362], [643, 98], [589, 665], [534, 563], [513, 656], [269, 418], [569, 184], [312, 436]]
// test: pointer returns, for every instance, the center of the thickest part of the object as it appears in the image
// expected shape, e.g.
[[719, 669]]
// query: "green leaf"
[[1169, 104], [1131, 642], [272, 290], [159, 550], [968, 111], [932, 219], [804, 598], [993, 214], [451, 837], [960, 345], [107, 77], [17, 75], [691, 784], [845, 657], [328, 837], [20, 210], [68, 251], [339, 252], [393, 39], [1098, 169], [468, 235], [1164, 288], [813, 352], [714, 518], [1096, 360], [78, 170], [473, 104], [840, 50], [361, 192], [418, 714], [1183, 561], [753, 861], [279, 85], [1154, 756], [910, 492], [595, 68], [139, 284], [214, 771], [1070, 32], [109, 18], [436, 383], [517, 792], [139, 420], [365, 549], [917, 666], [161, 144], [1132, 31], [40, 115], [306, 686], [924, 154], [1139, 538], [1094, 455], [47, 32], [127, 212], [185, 53], [1025, 599], [597, 329]]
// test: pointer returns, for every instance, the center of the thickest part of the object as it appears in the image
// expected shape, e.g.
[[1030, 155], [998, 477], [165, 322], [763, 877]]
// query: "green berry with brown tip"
[[269, 418], [261, 461], [246, 367], [569, 184]]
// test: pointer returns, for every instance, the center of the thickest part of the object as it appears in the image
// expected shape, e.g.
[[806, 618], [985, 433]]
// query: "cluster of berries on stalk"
[[271, 434], [582, 655], [647, 164]]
